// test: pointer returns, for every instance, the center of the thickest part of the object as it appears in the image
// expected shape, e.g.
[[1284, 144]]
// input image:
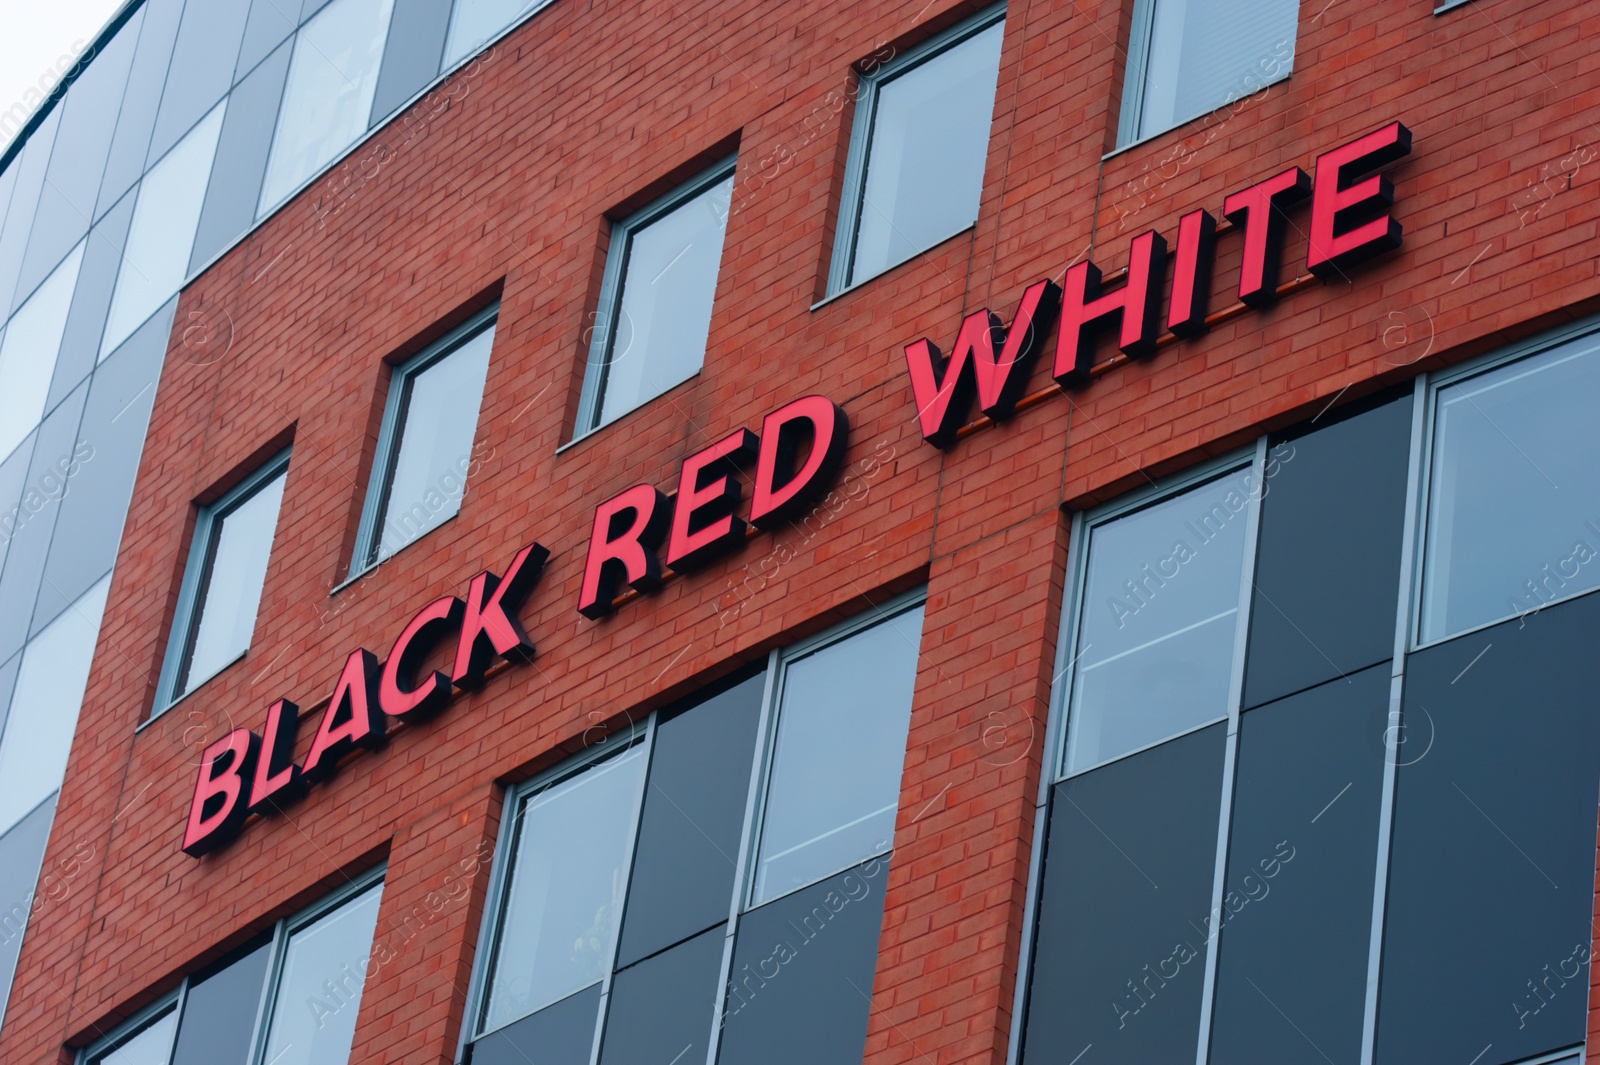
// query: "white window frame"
[[862, 124]]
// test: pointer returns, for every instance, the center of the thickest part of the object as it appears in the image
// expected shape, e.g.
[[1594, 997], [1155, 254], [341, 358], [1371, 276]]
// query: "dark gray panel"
[[1491, 877], [799, 991], [1328, 560], [241, 159], [219, 1013], [560, 1034], [97, 277], [412, 53], [131, 143], [72, 182], [661, 1009], [1301, 855], [683, 867], [270, 23], [19, 581], [21, 852], [31, 167], [202, 68], [96, 481], [1120, 948]]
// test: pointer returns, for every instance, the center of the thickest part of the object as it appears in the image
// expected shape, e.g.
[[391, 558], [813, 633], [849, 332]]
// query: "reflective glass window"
[[655, 306], [149, 1047], [473, 22], [319, 985], [831, 804], [1193, 56], [425, 453], [328, 99], [44, 706], [1158, 621], [28, 352], [564, 899], [1512, 524], [155, 259], [924, 156], [236, 542]]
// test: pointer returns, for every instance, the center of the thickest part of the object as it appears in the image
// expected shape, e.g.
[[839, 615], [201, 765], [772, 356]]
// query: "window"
[[292, 995], [917, 150], [44, 706], [222, 584], [1158, 620], [474, 22], [28, 352], [623, 908], [831, 805], [425, 445], [1512, 522], [1188, 57], [328, 99], [655, 301], [155, 259]]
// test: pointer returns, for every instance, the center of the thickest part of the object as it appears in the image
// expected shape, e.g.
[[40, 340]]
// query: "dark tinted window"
[[219, 1012], [1487, 931], [411, 55], [683, 867], [1120, 949], [241, 160], [130, 145], [662, 1009], [799, 989], [559, 1034], [1301, 852], [96, 481], [1328, 558], [202, 68]]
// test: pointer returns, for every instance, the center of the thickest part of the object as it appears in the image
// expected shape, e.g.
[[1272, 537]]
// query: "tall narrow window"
[[1158, 621], [1188, 57], [312, 1022], [474, 22], [222, 584], [328, 99], [425, 446], [155, 260], [831, 804], [1512, 523], [654, 313], [917, 150]]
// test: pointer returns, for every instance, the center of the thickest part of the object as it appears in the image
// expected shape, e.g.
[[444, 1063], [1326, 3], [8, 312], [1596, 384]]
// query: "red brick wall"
[[502, 181]]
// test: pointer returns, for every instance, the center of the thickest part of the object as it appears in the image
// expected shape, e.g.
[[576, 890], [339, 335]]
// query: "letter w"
[[944, 387]]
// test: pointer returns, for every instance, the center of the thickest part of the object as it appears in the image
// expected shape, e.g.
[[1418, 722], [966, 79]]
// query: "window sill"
[[1186, 123], [369, 567], [159, 714], [864, 282], [1450, 5]]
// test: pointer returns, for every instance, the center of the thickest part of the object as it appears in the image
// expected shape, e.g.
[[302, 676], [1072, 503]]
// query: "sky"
[[36, 36]]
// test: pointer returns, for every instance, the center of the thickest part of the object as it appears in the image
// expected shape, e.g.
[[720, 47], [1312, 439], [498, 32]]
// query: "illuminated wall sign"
[[989, 361], [796, 456]]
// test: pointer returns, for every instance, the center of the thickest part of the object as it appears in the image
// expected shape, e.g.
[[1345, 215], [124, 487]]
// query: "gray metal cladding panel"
[[91, 300], [1124, 908], [219, 1011], [96, 482], [30, 166], [203, 59], [241, 158], [24, 569], [662, 1008], [21, 852], [1308, 793], [1491, 877], [412, 54], [78, 161], [683, 869], [157, 25], [14, 514], [800, 988], [269, 24], [559, 1034], [1328, 559]]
